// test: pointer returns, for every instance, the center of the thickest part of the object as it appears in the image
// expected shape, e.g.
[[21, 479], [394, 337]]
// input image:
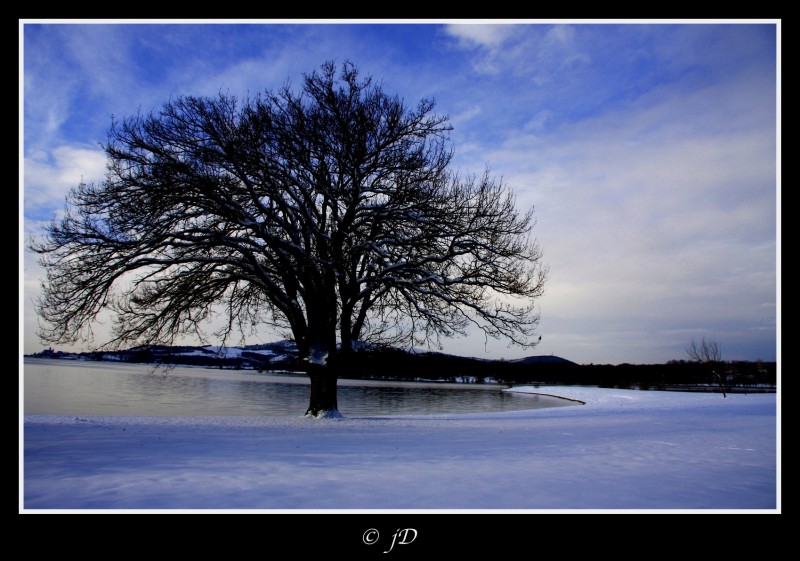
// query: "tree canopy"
[[331, 212]]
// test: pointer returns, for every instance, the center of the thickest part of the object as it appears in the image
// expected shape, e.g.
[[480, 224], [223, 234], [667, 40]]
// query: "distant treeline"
[[672, 375], [392, 364], [400, 365]]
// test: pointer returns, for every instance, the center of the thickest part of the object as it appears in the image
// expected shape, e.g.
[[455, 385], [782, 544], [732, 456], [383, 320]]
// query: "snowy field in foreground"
[[623, 449]]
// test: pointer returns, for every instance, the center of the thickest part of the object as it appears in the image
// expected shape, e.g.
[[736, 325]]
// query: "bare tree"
[[331, 213], [710, 354]]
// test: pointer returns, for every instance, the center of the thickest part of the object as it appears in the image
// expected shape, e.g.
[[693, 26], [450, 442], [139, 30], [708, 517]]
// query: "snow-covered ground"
[[622, 449]]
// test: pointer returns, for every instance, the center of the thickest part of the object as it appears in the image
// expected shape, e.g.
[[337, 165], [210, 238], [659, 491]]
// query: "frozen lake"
[[64, 387]]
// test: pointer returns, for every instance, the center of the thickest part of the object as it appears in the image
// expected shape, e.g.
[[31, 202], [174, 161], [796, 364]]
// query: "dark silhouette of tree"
[[710, 354], [331, 213]]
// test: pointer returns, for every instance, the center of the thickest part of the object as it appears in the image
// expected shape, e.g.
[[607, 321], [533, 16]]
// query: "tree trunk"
[[323, 402], [721, 386]]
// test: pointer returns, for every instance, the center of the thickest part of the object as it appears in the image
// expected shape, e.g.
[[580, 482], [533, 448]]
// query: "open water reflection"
[[64, 387]]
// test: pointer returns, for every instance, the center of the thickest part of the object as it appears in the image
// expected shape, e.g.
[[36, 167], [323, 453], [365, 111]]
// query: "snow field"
[[622, 449]]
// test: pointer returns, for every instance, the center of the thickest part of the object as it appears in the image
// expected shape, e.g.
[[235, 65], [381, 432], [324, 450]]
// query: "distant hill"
[[542, 359], [280, 355], [368, 362]]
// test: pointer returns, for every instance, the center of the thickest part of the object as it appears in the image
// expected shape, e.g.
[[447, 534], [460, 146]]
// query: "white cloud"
[[472, 35], [498, 47], [656, 214], [543, 54], [560, 35], [103, 52], [539, 121], [466, 115], [49, 177]]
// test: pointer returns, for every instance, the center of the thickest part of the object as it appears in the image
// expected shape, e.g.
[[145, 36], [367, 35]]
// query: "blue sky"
[[649, 151]]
